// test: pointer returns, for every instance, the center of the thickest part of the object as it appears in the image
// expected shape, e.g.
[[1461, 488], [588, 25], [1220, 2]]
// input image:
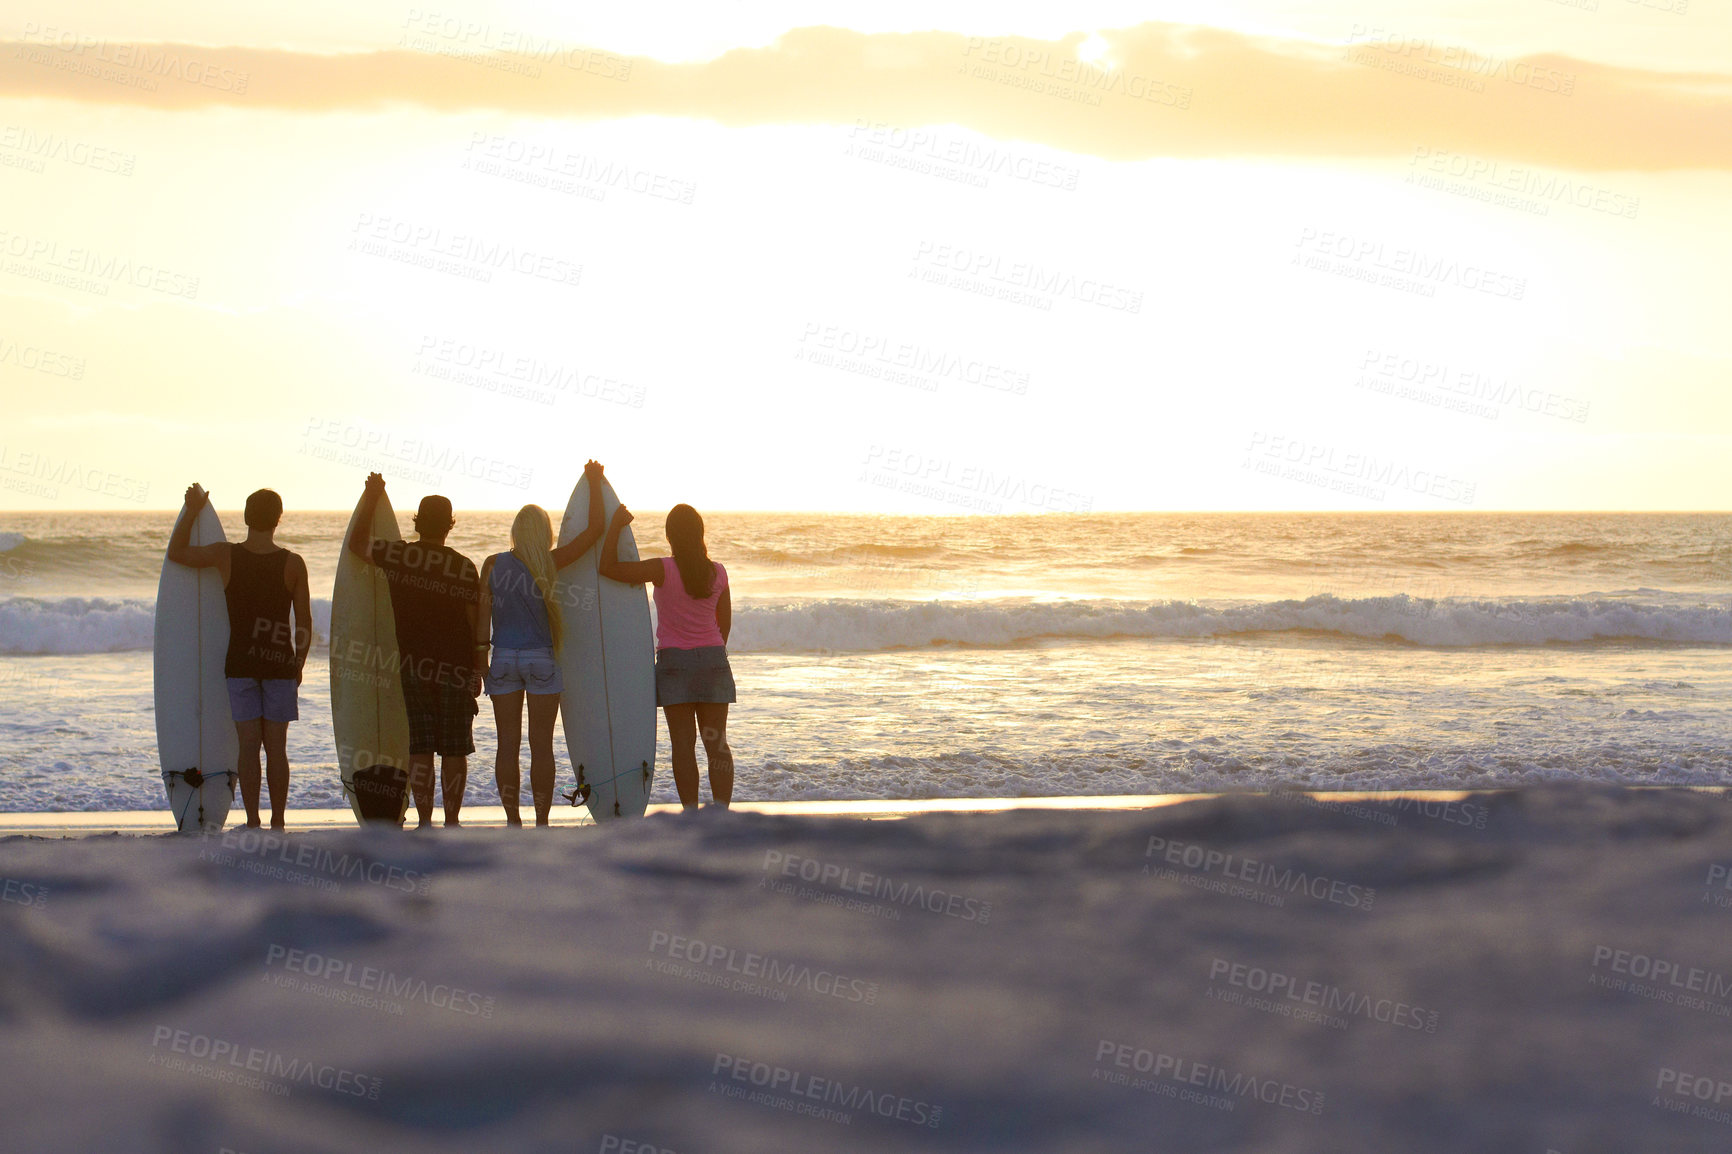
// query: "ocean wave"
[[99, 625], [30, 625], [863, 626], [82, 565], [39, 626]]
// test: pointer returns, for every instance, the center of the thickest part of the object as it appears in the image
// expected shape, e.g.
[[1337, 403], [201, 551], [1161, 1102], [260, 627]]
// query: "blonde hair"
[[532, 544]]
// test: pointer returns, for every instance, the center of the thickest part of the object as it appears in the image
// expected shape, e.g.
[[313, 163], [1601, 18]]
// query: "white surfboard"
[[195, 732], [607, 657], [367, 712]]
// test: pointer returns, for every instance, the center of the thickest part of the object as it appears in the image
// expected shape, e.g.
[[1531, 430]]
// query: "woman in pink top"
[[694, 612]]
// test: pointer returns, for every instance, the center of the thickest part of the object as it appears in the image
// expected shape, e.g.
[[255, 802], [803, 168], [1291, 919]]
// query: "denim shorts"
[[532, 669], [272, 698], [685, 676]]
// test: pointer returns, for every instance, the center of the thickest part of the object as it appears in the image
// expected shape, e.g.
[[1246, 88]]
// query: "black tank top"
[[261, 643]]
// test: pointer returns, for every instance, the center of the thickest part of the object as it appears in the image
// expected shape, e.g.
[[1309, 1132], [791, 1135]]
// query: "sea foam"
[[855, 626], [100, 625], [65, 625]]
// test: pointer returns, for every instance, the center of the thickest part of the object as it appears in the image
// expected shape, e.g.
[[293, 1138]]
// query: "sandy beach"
[[1194, 540], [1535, 970]]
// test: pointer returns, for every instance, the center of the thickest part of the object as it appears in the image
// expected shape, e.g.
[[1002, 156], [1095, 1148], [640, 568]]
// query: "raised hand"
[[375, 483], [195, 497], [622, 516]]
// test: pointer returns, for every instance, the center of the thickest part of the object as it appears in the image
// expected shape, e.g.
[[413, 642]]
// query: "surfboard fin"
[[646, 775]]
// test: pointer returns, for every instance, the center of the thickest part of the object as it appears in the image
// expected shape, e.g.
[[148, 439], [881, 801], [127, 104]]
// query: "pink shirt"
[[682, 621]]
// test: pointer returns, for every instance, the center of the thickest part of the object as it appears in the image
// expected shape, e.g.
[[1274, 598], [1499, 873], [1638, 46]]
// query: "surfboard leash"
[[586, 790], [188, 776]]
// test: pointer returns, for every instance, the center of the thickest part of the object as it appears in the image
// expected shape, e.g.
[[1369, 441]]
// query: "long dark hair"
[[686, 535]]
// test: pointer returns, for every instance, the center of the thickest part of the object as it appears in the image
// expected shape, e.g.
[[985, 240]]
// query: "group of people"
[[460, 630]]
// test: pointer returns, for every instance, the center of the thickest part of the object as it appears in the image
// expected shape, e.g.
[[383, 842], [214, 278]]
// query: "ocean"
[[918, 657]]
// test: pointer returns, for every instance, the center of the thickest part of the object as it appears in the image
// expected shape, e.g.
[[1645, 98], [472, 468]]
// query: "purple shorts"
[[274, 699]]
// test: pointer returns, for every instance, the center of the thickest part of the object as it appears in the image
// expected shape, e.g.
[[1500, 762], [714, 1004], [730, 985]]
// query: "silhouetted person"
[[435, 598], [521, 615], [694, 613], [262, 583]]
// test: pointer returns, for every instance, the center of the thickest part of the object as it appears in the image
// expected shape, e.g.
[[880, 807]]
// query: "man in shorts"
[[435, 596], [262, 582]]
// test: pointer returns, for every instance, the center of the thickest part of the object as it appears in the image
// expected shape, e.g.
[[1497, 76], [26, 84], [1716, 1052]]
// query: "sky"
[[901, 258]]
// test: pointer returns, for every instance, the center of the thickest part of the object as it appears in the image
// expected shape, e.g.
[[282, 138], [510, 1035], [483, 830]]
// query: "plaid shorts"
[[439, 716]]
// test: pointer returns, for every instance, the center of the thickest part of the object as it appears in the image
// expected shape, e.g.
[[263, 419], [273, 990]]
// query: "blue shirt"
[[519, 613]]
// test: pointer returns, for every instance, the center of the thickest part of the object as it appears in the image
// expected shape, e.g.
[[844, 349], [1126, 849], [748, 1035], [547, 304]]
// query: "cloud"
[[1158, 90]]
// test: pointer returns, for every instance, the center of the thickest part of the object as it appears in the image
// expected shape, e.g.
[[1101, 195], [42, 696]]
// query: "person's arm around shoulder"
[[361, 539], [295, 574], [215, 556], [484, 607], [630, 572], [479, 606], [585, 541]]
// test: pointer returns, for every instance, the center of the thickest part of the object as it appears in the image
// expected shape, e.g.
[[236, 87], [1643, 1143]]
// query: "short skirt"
[[687, 676]]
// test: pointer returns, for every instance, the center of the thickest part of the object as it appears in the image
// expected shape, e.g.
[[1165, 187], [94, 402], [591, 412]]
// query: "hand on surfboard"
[[375, 483], [622, 516], [195, 497], [592, 470]]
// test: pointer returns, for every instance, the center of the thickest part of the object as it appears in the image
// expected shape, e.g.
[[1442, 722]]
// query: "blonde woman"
[[520, 618]]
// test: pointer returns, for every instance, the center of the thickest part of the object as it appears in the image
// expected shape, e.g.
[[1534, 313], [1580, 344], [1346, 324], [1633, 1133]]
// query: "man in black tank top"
[[262, 583], [435, 598]]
